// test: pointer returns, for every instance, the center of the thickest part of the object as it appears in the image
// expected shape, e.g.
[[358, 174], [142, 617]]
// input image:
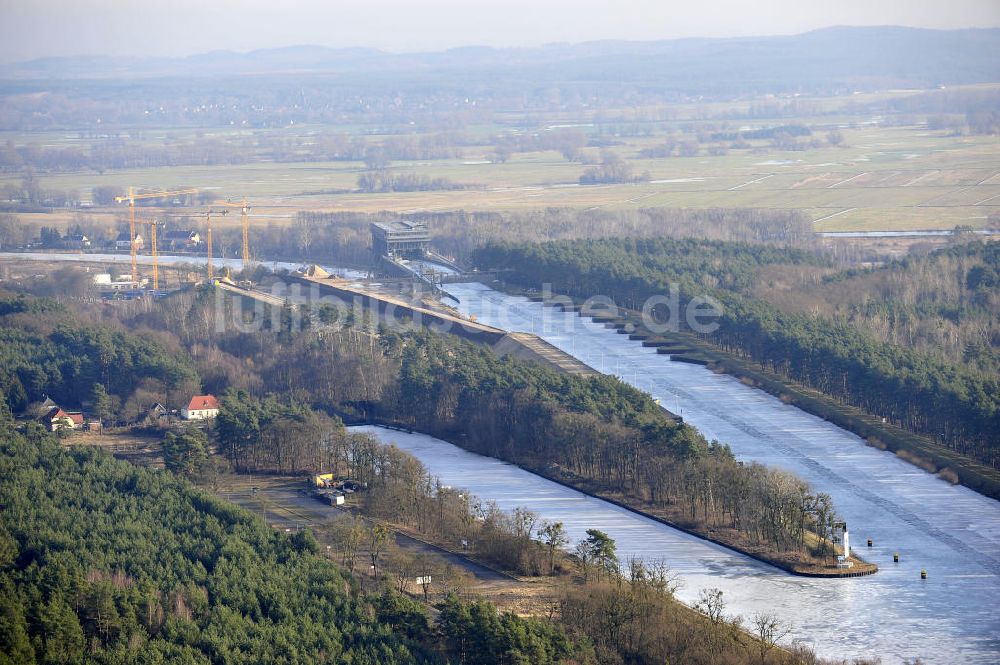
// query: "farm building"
[[56, 419]]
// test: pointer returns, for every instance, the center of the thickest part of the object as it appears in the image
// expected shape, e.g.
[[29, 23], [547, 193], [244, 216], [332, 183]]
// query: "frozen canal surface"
[[951, 531]]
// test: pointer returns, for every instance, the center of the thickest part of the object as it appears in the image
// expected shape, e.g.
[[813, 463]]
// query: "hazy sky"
[[34, 28]]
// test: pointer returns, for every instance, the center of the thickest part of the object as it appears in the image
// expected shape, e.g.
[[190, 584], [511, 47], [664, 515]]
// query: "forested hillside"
[[106, 562], [958, 403], [113, 563], [946, 304], [44, 351]]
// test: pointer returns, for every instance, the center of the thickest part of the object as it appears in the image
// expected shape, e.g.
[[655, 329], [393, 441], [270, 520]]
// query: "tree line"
[[134, 151], [345, 237], [384, 181]]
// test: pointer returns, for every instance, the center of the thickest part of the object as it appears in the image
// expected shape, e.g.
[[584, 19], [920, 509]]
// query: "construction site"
[[159, 235], [405, 282], [176, 239]]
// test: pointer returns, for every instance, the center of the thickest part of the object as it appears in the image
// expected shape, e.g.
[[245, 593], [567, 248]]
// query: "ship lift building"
[[400, 239]]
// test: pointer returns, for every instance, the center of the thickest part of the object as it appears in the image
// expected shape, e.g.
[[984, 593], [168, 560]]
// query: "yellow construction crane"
[[132, 197], [208, 237], [245, 220], [153, 251]]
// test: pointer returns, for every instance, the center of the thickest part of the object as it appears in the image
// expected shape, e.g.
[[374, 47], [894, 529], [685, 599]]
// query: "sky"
[[38, 28]]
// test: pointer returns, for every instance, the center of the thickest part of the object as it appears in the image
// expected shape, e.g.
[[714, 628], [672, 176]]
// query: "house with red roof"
[[56, 419], [201, 407]]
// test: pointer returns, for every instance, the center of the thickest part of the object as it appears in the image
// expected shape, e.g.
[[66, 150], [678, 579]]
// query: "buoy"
[[923, 574], [869, 542], [895, 557]]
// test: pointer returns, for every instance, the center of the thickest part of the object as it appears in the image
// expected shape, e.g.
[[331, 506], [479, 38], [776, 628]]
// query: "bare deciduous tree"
[[769, 630]]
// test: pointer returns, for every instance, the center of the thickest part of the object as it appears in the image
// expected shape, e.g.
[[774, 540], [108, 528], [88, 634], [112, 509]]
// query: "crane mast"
[[208, 238], [245, 220], [131, 233], [153, 251], [244, 207]]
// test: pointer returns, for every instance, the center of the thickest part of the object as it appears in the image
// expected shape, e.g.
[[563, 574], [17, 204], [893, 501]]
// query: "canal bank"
[[718, 537], [892, 615]]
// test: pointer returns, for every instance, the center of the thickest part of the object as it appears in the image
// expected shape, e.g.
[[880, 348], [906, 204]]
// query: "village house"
[[75, 241], [122, 242], [56, 419], [181, 239], [201, 407], [154, 415]]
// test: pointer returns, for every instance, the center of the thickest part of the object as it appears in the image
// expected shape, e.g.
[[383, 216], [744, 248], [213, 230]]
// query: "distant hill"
[[831, 57]]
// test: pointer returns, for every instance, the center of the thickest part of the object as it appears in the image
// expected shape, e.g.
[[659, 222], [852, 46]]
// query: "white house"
[[201, 407], [75, 241], [122, 241], [181, 239]]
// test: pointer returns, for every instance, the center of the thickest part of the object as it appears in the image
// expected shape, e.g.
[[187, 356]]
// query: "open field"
[[905, 177]]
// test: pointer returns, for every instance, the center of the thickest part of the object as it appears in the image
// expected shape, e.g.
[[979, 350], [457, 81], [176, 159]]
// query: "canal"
[[950, 531]]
